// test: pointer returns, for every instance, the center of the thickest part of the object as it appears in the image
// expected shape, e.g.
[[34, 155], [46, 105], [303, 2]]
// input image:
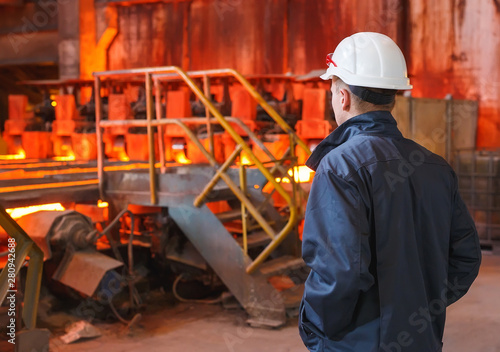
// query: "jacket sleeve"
[[464, 252], [336, 248]]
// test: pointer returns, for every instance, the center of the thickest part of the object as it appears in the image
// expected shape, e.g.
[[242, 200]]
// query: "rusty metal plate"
[[83, 271], [37, 226]]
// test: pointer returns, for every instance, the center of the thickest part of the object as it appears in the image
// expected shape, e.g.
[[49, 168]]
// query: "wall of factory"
[[454, 49], [451, 46]]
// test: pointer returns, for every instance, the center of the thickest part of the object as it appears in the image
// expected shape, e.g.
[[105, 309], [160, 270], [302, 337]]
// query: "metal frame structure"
[[172, 72]]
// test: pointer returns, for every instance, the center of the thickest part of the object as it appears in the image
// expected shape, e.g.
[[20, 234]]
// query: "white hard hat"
[[370, 60]]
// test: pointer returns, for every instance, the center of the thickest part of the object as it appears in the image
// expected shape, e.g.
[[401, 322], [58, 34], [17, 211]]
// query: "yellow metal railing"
[[21, 247], [164, 73]]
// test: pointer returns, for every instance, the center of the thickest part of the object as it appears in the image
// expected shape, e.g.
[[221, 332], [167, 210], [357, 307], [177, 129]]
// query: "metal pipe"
[[100, 149], [32, 289], [210, 185], [111, 241], [210, 135], [251, 208], [161, 145], [151, 138], [134, 296], [243, 186]]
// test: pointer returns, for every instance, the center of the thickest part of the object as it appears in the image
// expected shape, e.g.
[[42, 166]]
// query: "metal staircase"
[[244, 246]]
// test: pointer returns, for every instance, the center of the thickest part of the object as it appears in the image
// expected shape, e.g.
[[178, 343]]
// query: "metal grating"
[[479, 184]]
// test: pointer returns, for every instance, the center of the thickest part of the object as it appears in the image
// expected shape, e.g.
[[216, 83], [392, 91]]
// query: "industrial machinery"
[[196, 178], [187, 167]]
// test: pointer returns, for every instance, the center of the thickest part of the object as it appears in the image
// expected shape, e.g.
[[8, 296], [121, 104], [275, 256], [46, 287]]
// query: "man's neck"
[[353, 113]]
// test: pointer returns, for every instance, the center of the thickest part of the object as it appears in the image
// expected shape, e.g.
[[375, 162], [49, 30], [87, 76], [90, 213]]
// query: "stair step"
[[281, 265], [255, 239], [236, 227], [229, 215], [220, 193]]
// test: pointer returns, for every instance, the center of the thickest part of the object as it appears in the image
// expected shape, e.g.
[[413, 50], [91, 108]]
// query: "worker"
[[387, 237]]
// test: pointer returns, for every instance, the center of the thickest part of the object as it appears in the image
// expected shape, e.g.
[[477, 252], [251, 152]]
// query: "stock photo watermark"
[[423, 318], [11, 292], [34, 23]]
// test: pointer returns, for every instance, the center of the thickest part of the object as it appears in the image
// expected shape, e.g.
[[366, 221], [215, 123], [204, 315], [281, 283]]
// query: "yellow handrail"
[[149, 72], [227, 179], [253, 92], [24, 246]]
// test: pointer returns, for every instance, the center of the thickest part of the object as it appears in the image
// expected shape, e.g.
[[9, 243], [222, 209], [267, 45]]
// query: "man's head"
[[367, 69]]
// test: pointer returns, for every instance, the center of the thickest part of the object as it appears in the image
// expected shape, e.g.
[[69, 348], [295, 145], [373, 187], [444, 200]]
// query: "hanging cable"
[[185, 300]]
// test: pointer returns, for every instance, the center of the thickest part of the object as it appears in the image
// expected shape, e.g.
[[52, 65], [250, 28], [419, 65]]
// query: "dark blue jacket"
[[388, 239]]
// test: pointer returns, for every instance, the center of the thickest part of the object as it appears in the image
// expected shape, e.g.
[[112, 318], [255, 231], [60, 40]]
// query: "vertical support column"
[[294, 170], [151, 137], [161, 146], [100, 149], [210, 135], [243, 187], [285, 38], [68, 13], [185, 38]]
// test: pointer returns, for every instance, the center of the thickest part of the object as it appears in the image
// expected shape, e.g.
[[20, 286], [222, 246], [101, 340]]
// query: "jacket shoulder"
[[364, 150]]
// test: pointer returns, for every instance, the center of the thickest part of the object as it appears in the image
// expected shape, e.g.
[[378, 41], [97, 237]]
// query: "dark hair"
[[364, 106]]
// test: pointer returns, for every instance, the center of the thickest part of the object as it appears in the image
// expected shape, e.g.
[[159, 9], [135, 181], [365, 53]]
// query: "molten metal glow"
[[16, 213], [70, 156], [302, 174], [244, 160], [47, 185], [181, 158], [122, 156], [64, 158], [20, 155], [101, 204]]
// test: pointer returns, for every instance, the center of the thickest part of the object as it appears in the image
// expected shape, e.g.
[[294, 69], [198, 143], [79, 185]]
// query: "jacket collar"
[[370, 123]]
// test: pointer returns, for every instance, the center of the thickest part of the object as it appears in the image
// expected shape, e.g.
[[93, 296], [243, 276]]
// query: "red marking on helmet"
[[330, 61]]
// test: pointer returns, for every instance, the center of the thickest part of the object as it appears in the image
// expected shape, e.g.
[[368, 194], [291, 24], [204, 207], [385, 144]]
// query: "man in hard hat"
[[387, 236]]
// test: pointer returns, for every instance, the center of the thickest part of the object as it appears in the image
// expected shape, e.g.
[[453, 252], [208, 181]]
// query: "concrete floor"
[[473, 325]]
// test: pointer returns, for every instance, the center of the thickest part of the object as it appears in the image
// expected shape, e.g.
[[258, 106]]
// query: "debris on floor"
[[79, 330]]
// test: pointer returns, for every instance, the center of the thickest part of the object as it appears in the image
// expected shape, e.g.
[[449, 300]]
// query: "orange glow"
[[122, 156], [22, 173], [180, 157], [244, 160], [15, 164], [20, 155], [47, 185], [64, 158], [65, 149], [16, 213], [101, 204], [302, 174]]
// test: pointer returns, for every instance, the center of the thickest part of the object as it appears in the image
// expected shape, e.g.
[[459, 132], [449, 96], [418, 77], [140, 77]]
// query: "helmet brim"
[[327, 75], [369, 82]]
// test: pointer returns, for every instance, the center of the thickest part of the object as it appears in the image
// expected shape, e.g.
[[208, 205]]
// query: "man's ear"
[[345, 100]]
